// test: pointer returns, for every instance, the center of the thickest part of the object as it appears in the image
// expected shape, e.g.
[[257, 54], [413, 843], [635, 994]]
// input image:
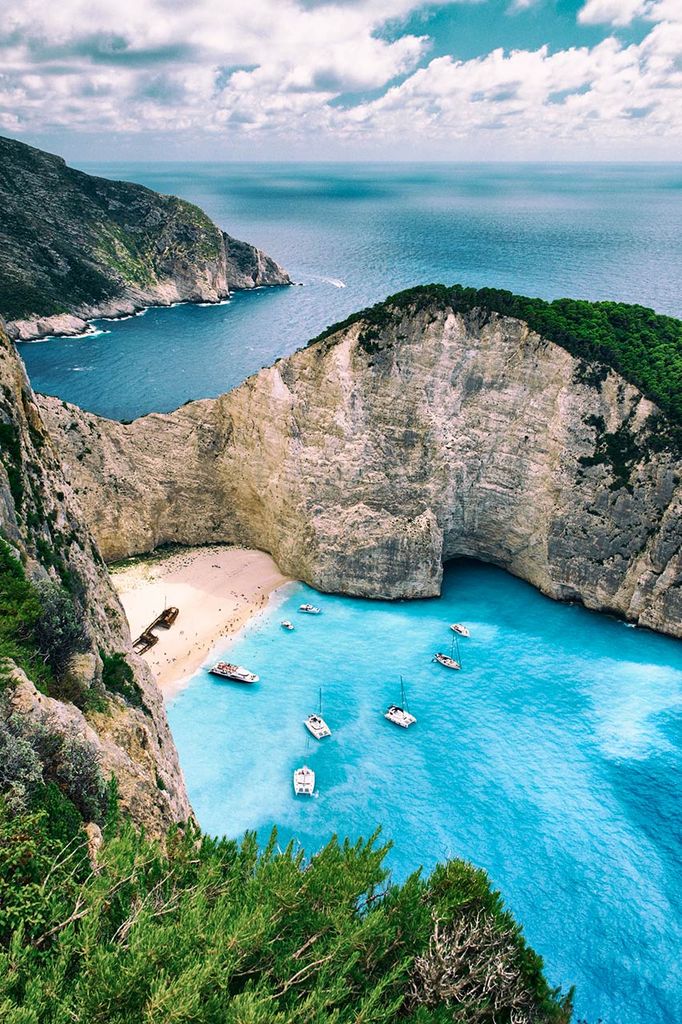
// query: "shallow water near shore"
[[553, 760]]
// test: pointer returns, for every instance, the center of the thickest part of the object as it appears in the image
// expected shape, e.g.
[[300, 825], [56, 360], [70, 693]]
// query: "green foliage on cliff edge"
[[641, 345], [216, 932]]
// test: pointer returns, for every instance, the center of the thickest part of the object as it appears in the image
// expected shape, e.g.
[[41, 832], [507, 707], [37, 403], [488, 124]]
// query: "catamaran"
[[399, 713], [309, 609], [304, 781], [316, 725], [285, 624], [235, 673], [458, 628], [448, 660]]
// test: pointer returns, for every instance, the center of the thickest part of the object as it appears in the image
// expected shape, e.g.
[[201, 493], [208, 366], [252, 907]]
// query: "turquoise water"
[[553, 760], [585, 231]]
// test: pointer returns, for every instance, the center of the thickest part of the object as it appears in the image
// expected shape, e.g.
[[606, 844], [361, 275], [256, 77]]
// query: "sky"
[[344, 79]]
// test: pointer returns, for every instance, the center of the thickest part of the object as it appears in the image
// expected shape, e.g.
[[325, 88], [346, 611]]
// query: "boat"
[[458, 628], [145, 642], [449, 660], [399, 714], [316, 725], [309, 609], [285, 624], [304, 781], [167, 618], [236, 673]]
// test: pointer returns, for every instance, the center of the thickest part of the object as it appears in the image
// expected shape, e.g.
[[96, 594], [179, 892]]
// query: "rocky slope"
[[73, 247], [365, 461], [41, 521]]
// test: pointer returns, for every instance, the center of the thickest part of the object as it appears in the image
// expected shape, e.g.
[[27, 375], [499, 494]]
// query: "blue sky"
[[344, 79]]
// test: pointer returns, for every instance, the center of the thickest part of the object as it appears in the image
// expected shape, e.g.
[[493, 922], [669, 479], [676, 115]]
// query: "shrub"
[[59, 631], [118, 677]]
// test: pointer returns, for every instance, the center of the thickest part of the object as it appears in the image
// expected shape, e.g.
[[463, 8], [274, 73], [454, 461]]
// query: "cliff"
[[417, 432], [73, 247], [45, 543]]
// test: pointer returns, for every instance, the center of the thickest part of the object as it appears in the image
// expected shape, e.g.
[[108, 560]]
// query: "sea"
[[351, 234], [553, 759]]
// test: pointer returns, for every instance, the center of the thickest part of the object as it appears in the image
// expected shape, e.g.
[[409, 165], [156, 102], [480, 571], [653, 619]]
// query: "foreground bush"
[[214, 931]]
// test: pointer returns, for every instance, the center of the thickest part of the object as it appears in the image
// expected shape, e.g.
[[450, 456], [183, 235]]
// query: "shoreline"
[[217, 590]]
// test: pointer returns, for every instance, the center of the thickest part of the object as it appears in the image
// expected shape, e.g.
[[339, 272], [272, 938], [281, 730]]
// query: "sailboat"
[[460, 629], [449, 661], [399, 713], [316, 725]]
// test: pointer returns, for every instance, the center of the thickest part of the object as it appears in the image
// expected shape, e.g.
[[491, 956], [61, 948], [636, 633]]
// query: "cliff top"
[[645, 347]]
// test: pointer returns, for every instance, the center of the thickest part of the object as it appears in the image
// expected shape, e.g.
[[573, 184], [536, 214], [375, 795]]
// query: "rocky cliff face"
[[365, 461], [40, 519], [73, 247]]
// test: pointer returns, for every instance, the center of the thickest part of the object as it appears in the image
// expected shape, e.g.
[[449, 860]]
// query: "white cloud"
[[612, 12], [298, 69]]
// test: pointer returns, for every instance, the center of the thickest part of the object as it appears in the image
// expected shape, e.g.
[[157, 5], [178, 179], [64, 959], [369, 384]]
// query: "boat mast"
[[403, 698], [320, 702]]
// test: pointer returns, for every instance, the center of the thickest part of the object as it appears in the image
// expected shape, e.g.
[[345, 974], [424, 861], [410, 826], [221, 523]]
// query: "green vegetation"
[[643, 346], [40, 628], [118, 677], [216, 932], [68, 239]]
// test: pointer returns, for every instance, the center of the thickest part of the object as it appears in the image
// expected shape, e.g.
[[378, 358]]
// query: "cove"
[[552, 760]]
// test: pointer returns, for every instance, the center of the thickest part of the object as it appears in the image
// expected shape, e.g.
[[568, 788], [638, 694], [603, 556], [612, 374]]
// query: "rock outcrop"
[[367, 460], [74, 247], [41, 520]]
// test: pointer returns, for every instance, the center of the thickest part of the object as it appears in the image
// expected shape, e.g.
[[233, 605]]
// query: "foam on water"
[[548, 760]]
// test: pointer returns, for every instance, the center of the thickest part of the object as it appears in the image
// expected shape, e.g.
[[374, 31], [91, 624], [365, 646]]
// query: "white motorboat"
[[316, 725], [235, 673], [309, 609], [400, 715], [285, 624], [458, 628], [304, 781]]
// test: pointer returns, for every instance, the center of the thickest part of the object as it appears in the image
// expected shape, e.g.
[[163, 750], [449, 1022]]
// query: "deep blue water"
[[554, 760], [585, 231]]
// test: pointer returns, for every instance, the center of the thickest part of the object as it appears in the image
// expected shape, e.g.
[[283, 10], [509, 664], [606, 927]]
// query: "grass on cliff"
[[643, 346], [216, 932]]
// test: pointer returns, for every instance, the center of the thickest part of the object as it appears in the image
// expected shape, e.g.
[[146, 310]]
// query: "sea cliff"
[[365, 461], [74, 247], [43, 538]]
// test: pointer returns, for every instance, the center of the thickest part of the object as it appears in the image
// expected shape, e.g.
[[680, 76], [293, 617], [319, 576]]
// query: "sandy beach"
[[217, 590]]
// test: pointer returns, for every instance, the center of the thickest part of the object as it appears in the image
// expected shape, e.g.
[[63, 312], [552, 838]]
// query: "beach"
[[216, 589]]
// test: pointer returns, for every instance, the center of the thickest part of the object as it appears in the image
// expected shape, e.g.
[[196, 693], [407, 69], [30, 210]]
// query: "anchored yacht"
[[235, 673], [458, 628], [309, 609], [316, 725], [304, 781], [285, 624], [400, 715]]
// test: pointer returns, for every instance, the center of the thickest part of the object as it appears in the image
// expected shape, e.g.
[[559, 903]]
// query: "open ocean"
[[554, 759], [353, 234]]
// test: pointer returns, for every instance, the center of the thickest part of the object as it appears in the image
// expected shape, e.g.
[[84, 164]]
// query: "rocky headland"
[[74, 247], [420, 431]]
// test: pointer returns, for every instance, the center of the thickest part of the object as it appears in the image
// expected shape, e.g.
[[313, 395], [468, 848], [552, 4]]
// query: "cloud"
[[301, 69], [612, 12]]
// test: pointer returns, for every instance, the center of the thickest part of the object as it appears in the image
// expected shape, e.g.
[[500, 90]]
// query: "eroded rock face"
[[74, 247], [364, 461], [40, 518]]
